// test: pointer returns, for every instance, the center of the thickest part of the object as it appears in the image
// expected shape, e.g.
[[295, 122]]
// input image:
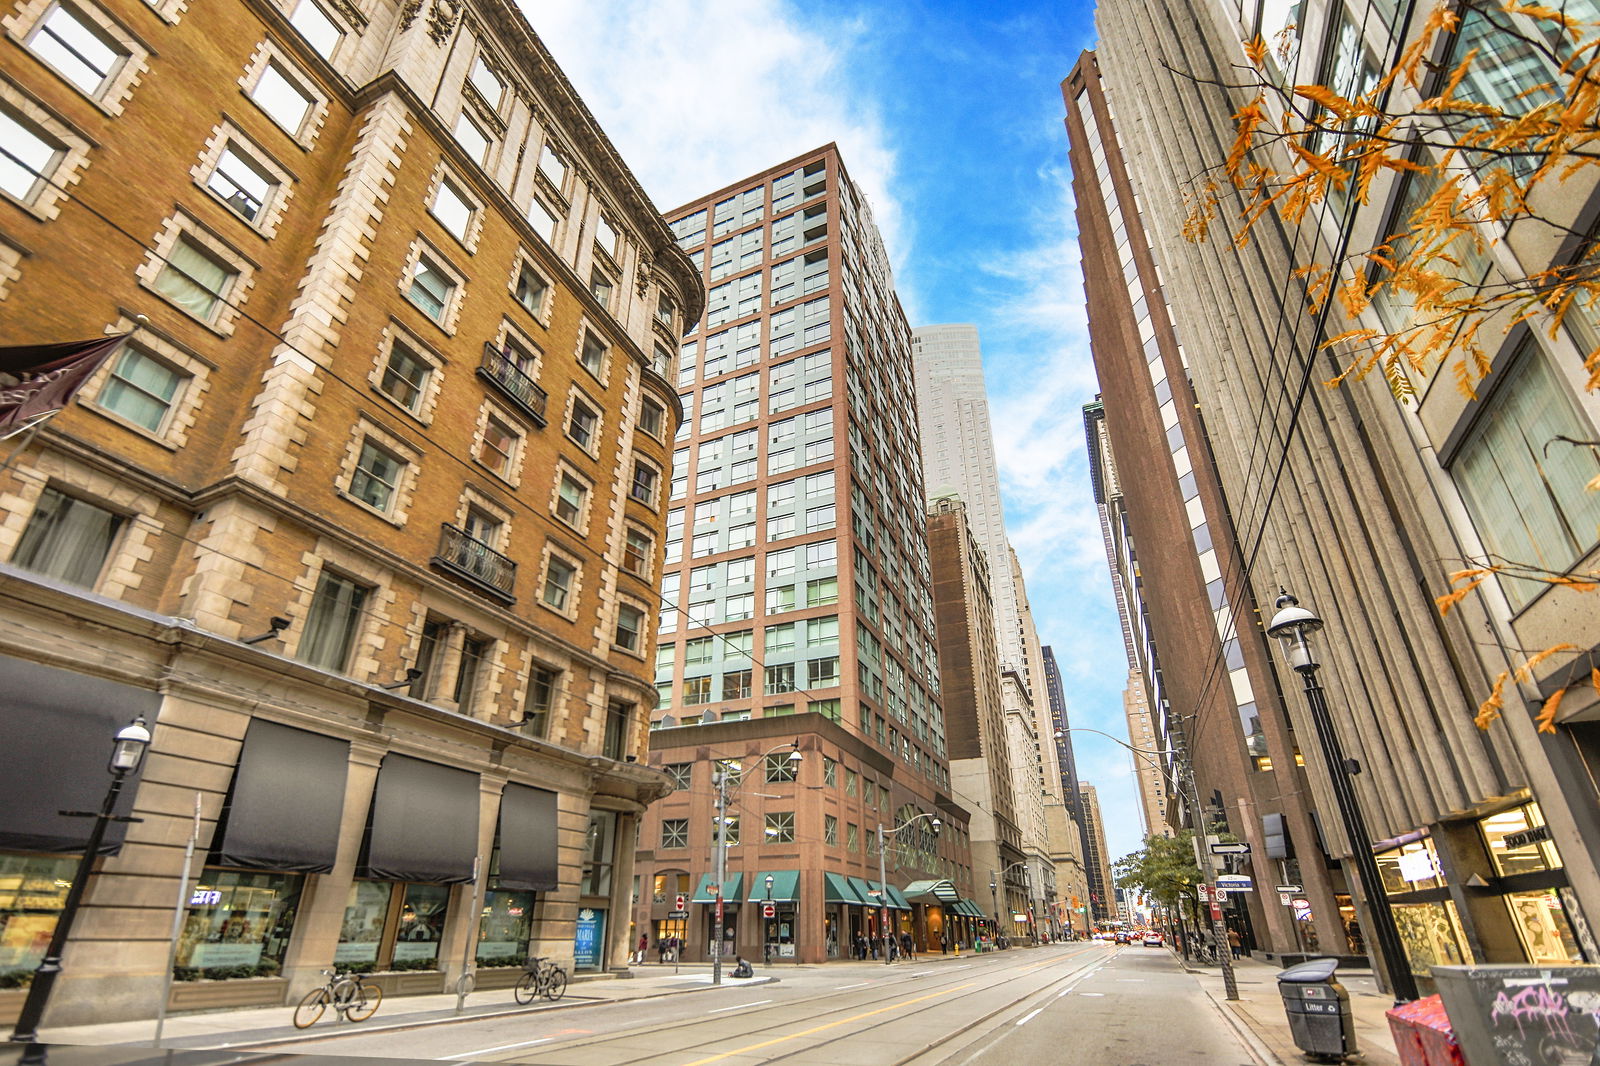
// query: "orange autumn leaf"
[[1525, 671], [1489, 709], [1547, 717]]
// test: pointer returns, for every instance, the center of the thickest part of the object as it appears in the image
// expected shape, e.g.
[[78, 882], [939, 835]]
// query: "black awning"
[[56, 730], [528, 853], [286, 803], [423, 824]]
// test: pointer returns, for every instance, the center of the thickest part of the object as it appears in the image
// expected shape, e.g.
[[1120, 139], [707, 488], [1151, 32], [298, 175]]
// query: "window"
[[583, 424], [332, 621], [730, 830], [822, 630], [852, 837], [782, 767], [830, 772], [637, 552], [780, 599], [821, 673], [498, 446], [470, 136], [605, 236], [542, 681], [194, 280], [698, 650], [822, 553], [779, 679], [431, 288], [241, 182], [80, 50], [740, 572], [405, 376], [281, 96], [320, 31], [652, 418], [741, 606], [1523, 486], [696, 690], [531, 290], [570, 496], [552, 168], [645, 479], [619, 721], [675, 831], [542, 219], [780, 827], [559, 575], [779, 638], [681, 773], [451, 208], [630, 627], [742, 536], [377, 475], [488, 84], [819, 518], [780, 563], [601, 288], [67, 539], [736, 685], [830, 830], [140, 389], [593, 354], [780, 526]]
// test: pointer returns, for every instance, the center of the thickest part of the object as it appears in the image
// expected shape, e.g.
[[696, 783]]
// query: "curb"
[[1244, 1031], [171, 1044]]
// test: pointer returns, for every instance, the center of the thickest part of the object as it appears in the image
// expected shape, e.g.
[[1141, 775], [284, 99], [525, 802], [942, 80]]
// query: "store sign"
[[586, 941], [205, 897], [1417, 865], [1527, 837]]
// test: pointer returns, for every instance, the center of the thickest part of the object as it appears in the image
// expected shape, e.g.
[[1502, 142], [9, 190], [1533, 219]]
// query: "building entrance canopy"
[[932, 892], [785, 886], [730, 889]]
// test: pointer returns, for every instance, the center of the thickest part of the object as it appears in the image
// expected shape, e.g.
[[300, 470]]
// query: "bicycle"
[[540, 977], [349, 994]]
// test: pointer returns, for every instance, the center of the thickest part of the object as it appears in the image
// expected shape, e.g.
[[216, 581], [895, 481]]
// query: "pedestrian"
[[661, 949], [644, 945], [944, 943], [906, 945], [1235, 945]]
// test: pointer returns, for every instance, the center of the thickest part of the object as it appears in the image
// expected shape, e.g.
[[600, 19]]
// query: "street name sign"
[[1234, 882]]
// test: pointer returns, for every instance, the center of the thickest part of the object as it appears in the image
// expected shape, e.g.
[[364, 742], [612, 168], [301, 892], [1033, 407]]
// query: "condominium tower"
[[797, 607]]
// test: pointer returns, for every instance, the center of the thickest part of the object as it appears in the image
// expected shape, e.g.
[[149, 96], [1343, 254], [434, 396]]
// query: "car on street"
[[1152, 940], [1124, 938]]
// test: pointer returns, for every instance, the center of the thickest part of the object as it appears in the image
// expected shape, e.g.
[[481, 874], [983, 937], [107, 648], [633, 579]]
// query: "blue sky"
[[949, 115]]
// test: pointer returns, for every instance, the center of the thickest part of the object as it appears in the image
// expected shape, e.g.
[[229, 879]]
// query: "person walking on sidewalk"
[[1235, 945], [644, 945]]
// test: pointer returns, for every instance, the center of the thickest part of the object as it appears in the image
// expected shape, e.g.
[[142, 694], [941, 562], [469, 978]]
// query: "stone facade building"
[[366, 515], [1360, 500]]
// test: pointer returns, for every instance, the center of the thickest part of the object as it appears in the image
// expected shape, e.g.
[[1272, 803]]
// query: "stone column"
[[461, 924], [620, 938], [322, 906]]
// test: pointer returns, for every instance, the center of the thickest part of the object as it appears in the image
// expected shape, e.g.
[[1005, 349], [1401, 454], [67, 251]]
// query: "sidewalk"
[[275, 1025], [1259, 1009]]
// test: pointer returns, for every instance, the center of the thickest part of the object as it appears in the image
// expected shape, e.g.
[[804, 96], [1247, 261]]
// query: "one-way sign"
[[1241, 848]]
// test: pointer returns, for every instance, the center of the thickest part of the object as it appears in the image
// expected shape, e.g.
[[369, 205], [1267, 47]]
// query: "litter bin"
[[1318, 1009]]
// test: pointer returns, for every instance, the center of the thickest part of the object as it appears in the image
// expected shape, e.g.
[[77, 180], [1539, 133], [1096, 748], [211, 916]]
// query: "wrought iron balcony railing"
[[476, 561], [510, 379]]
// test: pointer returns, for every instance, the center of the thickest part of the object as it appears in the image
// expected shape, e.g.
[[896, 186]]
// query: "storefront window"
[[597, 868], [364, 916], [1541, 922], [32, 890], [237, 924], [1519, 841], [1431, 933], [505, 928], [422, 914]]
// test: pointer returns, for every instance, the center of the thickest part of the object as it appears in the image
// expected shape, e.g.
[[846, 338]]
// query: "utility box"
[[1319, 1010]]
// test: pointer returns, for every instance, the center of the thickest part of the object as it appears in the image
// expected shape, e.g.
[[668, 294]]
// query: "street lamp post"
[[1292, 625], [883, 871], [720, 861], [127, 751], [766, 938], [994, 903]]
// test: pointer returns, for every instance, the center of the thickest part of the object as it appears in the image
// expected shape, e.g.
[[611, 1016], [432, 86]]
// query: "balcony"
[[476, 562], [509, 378]]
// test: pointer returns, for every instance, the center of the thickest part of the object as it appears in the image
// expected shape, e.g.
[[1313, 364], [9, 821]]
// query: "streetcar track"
[[934, 999]]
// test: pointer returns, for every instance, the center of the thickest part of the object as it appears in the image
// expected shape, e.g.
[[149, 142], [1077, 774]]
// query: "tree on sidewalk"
[[1489, 116]]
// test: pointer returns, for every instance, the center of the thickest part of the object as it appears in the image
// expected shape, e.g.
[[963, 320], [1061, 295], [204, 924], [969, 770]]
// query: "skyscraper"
[[797, 605], [1097, 861]]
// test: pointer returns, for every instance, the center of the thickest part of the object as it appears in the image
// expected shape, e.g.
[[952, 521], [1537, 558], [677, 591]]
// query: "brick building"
[[366, 514]]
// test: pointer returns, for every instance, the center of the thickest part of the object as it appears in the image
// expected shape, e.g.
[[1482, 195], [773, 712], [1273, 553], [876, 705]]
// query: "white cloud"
[[718, 90]]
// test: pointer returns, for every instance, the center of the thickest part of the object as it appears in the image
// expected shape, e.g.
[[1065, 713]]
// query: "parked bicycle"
[[351, 997], [541, 977]]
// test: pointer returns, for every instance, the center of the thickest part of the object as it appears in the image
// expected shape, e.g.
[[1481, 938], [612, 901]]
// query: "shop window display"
[[505, 928], [421, 926], [237, 924], [32, 890], [365, 915]]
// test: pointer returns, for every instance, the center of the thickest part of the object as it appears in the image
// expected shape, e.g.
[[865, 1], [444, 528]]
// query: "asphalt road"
[[1088, 1004]]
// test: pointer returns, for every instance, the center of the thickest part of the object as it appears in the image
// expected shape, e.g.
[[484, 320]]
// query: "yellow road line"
[[830, 1025]]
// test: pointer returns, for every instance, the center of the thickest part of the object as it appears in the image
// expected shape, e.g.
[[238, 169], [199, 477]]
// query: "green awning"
[[868, 891], [837, 889], [898, 901], [972, 910], [932, 892], [730, 889], [785, 886]]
